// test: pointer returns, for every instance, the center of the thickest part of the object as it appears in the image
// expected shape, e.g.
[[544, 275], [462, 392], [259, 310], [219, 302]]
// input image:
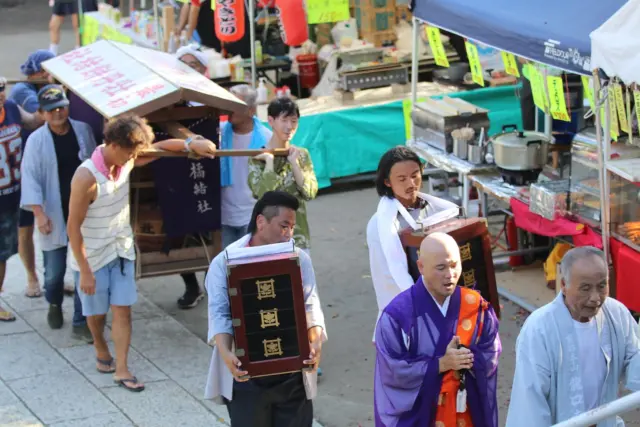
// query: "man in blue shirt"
[[12, 120], [25, 94]]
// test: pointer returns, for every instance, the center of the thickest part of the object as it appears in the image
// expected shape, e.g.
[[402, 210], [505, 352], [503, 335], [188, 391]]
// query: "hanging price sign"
[[613, 123], [435, 42], [622, 111], [537, 88], [325, 11], [588, 92], [557, 104], [474, 63], [407, 106], [510, 65], [636, 100]]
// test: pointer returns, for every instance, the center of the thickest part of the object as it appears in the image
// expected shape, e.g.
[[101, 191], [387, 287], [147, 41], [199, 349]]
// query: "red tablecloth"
[[582, 234], [626, 265]]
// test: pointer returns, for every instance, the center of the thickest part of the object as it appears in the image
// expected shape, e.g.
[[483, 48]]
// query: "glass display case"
[[625, 210], [585, 200]]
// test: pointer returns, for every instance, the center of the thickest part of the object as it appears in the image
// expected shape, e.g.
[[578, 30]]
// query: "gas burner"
[[519, 178]]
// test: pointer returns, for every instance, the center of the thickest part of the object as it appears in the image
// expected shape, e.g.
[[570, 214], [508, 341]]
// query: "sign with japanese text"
[[620, 106], [326, 11], [474, 63], [538, 88], [116, 78], [437, 48], [588, 91], [557, 104], [613, 130], [510, 64], [407, 106], [636, 100], [109, 80]]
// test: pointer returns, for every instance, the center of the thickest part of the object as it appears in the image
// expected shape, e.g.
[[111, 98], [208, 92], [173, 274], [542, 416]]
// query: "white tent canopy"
[[615, 46]]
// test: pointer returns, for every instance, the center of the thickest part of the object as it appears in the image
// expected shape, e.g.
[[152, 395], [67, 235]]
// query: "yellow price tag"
[[557, 104], [406, 113], [510, 65], [435, 42], [325, 11], [622, 111], [537, 88], [636, 100], [474, 63], [213, 4], [613, 123], [588, 93]]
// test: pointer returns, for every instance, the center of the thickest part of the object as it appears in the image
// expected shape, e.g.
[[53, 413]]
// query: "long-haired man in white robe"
[[402, 205], [572, 353]]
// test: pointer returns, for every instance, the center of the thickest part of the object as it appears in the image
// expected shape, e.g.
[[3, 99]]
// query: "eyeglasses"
[[2, 88]]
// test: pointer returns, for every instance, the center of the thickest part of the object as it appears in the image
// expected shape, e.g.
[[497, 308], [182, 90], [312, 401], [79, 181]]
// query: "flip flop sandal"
[[132, 380], [33, 293], [108, 363], [6, 316]]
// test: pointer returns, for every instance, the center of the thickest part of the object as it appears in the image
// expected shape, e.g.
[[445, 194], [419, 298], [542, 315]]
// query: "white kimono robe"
[[387, 259], [547, 385]]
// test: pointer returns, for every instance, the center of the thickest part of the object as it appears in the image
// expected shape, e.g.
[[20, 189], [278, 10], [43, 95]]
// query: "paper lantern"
[[229, 20], [293, 22]]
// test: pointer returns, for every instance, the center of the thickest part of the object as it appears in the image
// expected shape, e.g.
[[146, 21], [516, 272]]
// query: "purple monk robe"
[[411, 336]]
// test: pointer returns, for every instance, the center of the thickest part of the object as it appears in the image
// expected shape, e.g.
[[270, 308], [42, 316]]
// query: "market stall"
[[615, 63], [115, 79], [539, 32]]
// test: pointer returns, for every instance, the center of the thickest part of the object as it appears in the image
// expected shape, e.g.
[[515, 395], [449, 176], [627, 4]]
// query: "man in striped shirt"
[[101, 237]]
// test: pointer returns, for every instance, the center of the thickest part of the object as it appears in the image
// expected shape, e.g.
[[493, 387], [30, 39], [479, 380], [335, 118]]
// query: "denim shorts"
[[115, 285]]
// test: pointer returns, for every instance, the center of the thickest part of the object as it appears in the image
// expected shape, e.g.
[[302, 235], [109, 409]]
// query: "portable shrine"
[[472, 236]]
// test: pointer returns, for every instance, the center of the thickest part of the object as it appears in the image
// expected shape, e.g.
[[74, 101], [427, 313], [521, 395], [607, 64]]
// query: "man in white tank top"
[[101, 237]]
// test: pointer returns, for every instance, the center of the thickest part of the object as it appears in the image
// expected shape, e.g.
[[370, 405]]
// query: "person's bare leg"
[[28, 256], [96, 326], [4, 314], [54, 31], [121, 334], [76, 28]]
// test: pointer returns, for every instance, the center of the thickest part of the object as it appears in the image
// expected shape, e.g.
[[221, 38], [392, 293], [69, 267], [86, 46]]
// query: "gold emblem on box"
[[269, 318], [465, 252], [266, 289], [272, 347], [469, 277]]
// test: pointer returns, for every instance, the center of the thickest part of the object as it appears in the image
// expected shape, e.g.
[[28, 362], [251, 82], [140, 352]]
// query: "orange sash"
[[446, 414]]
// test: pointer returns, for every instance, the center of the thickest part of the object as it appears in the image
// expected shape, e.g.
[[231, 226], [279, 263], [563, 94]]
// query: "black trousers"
[[278, 401]]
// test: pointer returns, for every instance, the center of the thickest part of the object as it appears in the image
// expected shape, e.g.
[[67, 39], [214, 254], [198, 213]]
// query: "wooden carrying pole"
[[176, 130]]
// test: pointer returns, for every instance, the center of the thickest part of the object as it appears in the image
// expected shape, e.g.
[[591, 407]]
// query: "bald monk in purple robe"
[[437, 349]]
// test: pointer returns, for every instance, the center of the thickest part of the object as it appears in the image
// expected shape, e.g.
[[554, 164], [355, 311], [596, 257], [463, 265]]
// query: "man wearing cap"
[[51, 157], [12, 119], [25, 94]]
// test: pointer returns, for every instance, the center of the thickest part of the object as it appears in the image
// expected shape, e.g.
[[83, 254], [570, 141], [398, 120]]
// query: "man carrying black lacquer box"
[[241, 309]]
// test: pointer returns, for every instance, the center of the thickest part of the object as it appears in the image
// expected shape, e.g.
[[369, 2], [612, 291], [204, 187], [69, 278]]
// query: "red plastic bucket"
[[308, 71]]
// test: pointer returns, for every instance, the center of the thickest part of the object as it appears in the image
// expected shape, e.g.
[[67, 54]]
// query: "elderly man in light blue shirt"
[[279, 399]]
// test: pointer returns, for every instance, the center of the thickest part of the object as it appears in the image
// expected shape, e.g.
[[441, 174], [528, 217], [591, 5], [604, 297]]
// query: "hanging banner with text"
[[474, 63], [613, 123], [537, 88], [510, 64], [557, 104], [636, 100], [437, 48], [327, 11], [622, 111], [406, 113]]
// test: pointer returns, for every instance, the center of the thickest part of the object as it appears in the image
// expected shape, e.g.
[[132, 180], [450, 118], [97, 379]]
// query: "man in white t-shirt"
[[241, 132], [572, 353]]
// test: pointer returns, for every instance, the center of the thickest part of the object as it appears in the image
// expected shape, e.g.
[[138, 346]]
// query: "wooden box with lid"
[[472, 236], [268, 313]]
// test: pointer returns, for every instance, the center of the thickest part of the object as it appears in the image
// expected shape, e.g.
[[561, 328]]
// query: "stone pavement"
[[49, 379]]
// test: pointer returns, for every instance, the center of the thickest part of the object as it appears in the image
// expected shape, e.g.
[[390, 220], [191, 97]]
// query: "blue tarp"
[[552, 32]]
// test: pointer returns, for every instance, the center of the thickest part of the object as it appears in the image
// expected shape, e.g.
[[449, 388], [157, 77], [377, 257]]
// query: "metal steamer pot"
[[520, 151]]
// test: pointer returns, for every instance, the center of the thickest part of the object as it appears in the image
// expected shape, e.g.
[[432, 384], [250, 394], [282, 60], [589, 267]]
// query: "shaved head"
[[440, 265]]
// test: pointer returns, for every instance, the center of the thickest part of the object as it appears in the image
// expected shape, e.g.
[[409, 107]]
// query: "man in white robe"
[[402, 205], [572, 353]]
